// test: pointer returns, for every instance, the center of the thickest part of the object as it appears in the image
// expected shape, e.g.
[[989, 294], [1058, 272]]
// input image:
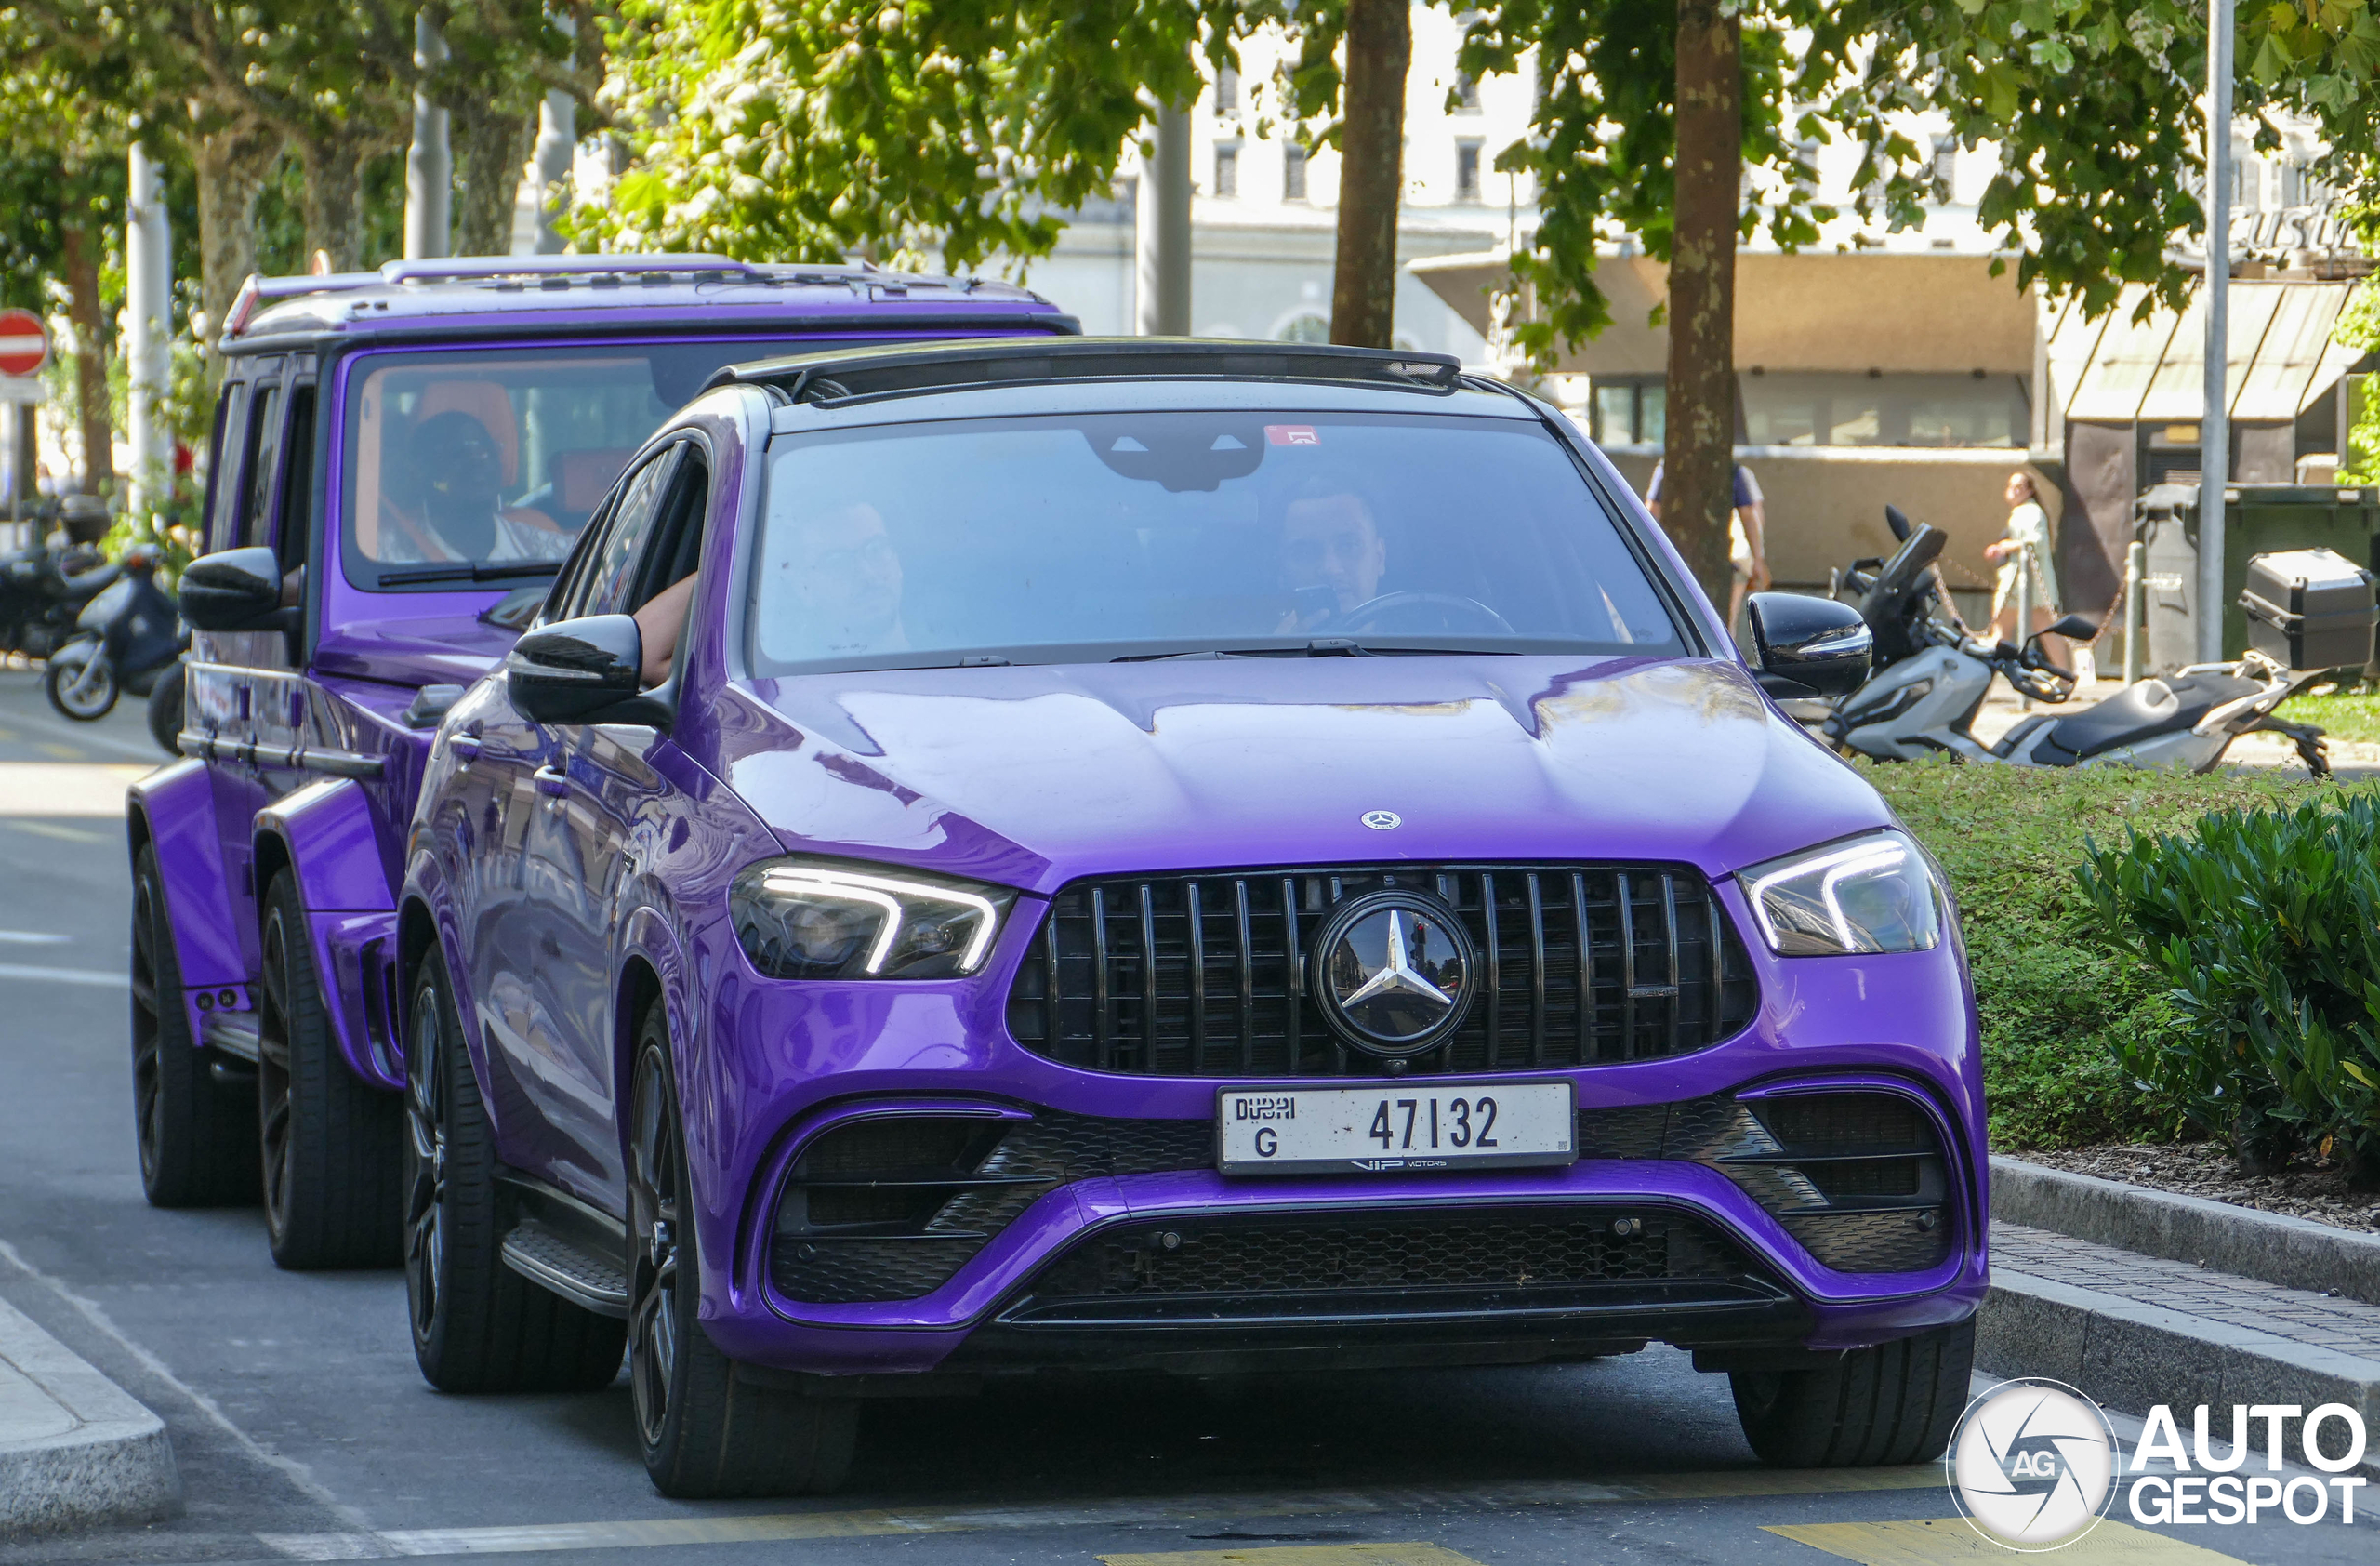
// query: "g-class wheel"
[[1895, 1402], [329, 1138], [478, 1326], [707, 1431], [197, 1135]]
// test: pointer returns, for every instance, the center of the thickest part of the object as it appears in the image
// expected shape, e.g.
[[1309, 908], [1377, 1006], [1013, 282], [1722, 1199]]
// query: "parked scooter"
[[42, 589], [125, 640], [1932, 676]]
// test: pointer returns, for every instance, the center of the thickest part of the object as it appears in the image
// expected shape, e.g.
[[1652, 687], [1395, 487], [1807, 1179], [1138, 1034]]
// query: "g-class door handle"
[[552, 782], [464, 747]]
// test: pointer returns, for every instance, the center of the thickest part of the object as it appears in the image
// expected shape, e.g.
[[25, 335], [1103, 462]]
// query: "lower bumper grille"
[[1512, 1252]]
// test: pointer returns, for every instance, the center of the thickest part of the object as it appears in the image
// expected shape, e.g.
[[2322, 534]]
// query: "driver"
[[461, 515], [1333, 555]]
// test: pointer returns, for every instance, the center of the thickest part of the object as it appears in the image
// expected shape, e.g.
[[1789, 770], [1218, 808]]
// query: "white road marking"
[[52, 788], [31, 937], [93, 977], [296, 1472]]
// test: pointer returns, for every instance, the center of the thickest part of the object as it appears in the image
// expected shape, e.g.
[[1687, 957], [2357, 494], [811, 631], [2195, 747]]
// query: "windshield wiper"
[[471, 571], [1320, 647]]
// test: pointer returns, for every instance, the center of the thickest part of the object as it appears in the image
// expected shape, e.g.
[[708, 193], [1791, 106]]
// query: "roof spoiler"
[[850, 374]]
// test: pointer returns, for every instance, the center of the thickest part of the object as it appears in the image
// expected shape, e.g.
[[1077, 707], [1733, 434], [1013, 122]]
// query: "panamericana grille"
[[1199, 975], [1504, 1249], [1858, 1178]]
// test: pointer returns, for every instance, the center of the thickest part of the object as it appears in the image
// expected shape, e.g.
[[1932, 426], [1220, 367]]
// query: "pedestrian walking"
[[1747, 534], [2025, 544]]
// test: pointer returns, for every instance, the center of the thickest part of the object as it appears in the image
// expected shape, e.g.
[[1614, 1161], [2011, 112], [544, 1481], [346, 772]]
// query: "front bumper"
[[788, 1064]]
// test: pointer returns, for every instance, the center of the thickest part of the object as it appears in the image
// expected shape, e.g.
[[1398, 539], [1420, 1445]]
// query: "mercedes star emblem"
[[1393, 971], [1383, 820]]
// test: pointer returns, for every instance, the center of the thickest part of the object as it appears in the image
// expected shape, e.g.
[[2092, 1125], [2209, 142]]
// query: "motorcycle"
[[125, 639], [1931, 674], [42, 589]]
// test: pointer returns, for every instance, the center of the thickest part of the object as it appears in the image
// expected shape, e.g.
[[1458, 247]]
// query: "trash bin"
[[2259, 519]]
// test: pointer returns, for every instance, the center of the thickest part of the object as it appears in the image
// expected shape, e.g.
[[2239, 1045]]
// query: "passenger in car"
[[459, 511], [1331, 554]]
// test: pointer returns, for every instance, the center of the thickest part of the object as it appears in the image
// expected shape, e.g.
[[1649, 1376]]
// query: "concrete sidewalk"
[[2134, 1328], [75, 1450]]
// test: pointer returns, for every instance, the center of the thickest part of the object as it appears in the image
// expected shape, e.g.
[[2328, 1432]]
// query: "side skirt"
[[561, 1243]]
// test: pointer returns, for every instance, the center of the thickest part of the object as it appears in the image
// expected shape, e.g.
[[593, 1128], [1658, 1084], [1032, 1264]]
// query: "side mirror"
[[581, 671], [2074, 627], [234, 590], [1808, 647], [1898, 523]]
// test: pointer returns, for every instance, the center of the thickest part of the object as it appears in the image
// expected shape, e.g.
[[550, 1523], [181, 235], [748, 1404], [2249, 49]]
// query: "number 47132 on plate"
[[1394, 1128]]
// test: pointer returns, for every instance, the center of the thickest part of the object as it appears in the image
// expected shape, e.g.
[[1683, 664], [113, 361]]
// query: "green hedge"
[[2264, 928], [2069, 1015]]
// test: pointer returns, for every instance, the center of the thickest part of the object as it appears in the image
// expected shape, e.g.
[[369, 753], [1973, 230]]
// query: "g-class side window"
[[223, 467]]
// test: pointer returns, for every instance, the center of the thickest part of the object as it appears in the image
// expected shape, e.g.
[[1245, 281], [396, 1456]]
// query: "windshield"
[[1150, 535], [483, 464]]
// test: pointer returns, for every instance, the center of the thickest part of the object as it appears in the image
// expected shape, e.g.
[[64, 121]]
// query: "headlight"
[[810, 918], [1873, 894]]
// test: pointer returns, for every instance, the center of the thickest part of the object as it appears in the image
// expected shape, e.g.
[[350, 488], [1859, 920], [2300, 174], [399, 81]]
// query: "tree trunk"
[[82, 268], [1371, 171], [1698, 462], [490, 150], [333, 196], [231, 164]]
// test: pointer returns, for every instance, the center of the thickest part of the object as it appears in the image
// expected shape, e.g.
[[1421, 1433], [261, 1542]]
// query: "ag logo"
[[2032, 1465]]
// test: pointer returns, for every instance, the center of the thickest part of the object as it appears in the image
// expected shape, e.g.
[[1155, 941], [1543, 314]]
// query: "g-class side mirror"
[[1808, 647], [584, 670], [234, 590]]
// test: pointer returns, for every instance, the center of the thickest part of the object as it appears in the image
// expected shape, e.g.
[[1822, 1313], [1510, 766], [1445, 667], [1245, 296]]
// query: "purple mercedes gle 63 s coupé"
[[1142, 858]]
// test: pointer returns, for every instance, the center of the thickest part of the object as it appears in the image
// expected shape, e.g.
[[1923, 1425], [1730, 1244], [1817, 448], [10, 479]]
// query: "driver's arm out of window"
[[660, 623]]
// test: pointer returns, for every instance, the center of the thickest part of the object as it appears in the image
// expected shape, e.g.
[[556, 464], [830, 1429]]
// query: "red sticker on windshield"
[[1291, 434]]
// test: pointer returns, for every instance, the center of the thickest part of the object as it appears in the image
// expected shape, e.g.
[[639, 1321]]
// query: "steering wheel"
[[1391, 612]]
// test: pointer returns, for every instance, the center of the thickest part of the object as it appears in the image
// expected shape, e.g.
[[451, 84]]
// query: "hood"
[[430, 650], [1032, 776]]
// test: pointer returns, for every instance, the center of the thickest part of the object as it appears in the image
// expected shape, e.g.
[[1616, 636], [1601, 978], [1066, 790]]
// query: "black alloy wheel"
[[329, 1138], [708, 1430], [197, 1135], [478, 1326]]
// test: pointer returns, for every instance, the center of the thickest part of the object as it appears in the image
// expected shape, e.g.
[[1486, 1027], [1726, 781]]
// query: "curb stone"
[[75, 1450], [2295, 1252]]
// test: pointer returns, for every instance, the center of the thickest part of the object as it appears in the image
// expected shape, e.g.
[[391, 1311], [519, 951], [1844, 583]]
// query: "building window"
[[1946, 166], [1816, 408], [1293, 171], [1227, 91], [1226, 168], [1467, 94], [1466, 171], [1628, 412]]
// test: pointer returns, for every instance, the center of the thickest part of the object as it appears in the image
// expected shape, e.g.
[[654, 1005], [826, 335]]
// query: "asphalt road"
[[303, 1430]]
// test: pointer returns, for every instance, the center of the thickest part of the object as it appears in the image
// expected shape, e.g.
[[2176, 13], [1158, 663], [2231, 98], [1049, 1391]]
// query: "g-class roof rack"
[[859, 374]]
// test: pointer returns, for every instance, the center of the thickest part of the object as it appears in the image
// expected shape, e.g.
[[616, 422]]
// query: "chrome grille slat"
[[1120, 976]]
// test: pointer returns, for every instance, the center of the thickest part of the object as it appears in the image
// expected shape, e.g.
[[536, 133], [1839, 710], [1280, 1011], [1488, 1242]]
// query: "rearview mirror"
[[2074, 627], [581, 671], [1898, 523], [1808, 647], [234, 590]]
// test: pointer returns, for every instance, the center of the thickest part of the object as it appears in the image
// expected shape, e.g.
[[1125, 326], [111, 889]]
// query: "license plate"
[[1379, 1130]]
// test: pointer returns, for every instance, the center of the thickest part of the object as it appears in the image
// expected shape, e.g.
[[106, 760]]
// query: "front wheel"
[[329, 1138], [1893, 1403], [706, 1432], [197, 1135], [166, 708], [84, 689]]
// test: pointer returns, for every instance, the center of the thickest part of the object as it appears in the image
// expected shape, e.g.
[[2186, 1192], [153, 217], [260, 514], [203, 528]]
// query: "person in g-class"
[[459, 511]]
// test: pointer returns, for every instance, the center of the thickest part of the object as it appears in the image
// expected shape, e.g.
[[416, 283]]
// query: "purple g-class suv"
[[1166, 857], [400, 461]]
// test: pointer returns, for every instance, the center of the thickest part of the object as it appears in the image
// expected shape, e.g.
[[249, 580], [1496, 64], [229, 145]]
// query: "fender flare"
[[324, 836], [172, 812]]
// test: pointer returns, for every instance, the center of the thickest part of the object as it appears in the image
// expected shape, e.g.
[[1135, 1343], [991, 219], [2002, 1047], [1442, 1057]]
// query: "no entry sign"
[[24, 342]]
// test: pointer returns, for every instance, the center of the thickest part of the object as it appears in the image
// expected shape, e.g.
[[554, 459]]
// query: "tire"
[[84, 690], [328, 1140], [478, 1326], [1893, 1403], [197, 1135], [166, 708], [706, 1432]]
